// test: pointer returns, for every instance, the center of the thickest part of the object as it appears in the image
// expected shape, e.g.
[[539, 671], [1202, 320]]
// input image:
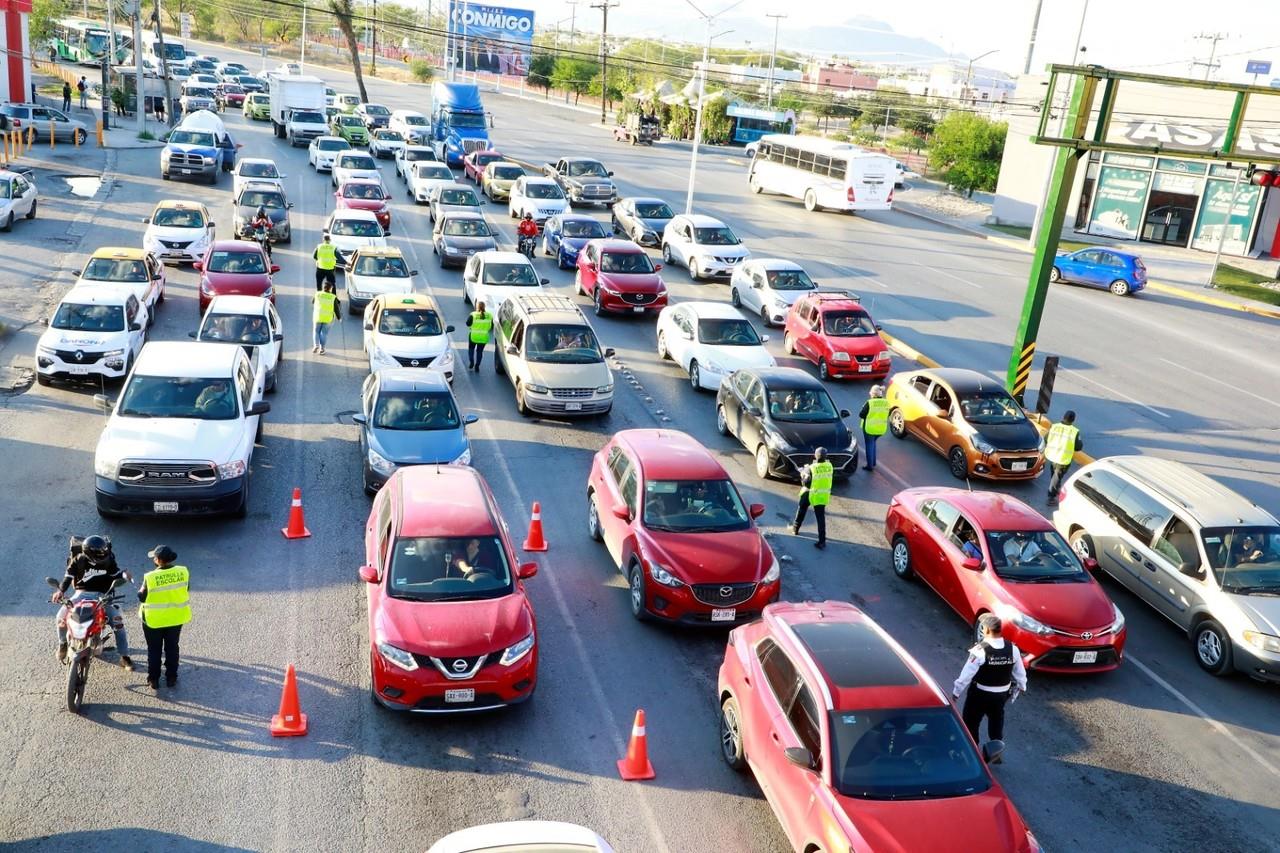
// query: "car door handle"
[[1150, 565], [775, 737]]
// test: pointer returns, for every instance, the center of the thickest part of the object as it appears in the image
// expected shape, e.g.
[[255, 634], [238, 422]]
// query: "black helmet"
[[262, 210], [528, 215], [96, 547]]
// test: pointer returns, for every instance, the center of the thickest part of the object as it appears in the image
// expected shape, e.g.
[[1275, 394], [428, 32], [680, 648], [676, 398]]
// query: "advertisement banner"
[[1213, 216], [1118, 200], [496, 39]]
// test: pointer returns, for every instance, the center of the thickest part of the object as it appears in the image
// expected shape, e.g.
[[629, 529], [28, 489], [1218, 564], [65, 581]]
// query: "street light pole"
[[773, 57], [968, 75], [1226, 221], [373, 54], [604, 6], [573, 33], [702, 88]]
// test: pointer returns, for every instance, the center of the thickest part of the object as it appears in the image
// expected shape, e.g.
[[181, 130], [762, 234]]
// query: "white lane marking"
[[1202, 714], [1136, 402], [881, 466], [1220, 382], [952, 275]]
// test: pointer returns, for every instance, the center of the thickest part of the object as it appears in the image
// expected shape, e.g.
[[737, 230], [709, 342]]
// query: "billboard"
[[493, 38]]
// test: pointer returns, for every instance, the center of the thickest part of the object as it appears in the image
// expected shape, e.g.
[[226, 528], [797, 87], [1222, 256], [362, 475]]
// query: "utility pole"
[[108, 58], [1031, 43], [302, 57], [573, 33], [164, 67], [773, 57], [134, 8], [604, 6], [373, 54], [1213, 39]]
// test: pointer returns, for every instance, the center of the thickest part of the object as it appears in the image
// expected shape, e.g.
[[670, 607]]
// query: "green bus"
[[85, 42]]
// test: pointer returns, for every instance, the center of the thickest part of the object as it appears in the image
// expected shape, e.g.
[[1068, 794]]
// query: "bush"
[[422, 70]]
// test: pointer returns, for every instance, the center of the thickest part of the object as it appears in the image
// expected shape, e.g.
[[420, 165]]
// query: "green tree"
[[541, 66], [343, 11], [44, 14], [919, 120], [573, 75], [966, 150]]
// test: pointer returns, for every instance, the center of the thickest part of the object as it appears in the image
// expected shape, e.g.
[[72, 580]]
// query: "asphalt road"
[[1157, 751]]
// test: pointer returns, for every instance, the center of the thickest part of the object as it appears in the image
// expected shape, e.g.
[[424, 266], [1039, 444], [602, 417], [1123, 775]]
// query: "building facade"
[[15, 71]]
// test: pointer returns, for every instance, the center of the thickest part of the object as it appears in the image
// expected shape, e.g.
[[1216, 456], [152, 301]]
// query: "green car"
[[346, 103], [350, 128], [257, 105]]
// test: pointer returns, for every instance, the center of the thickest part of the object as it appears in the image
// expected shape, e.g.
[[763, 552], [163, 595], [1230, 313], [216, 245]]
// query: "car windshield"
[[232, 89], [506, 173], [366, 191], [904, 754], [381, 266], [649, 210], [587, 168], [728, 333], [466, 228], [789, 280], [198, 92], [1245, 559], [247, 263], [261, 198], [720, 235], [636, 263], [410, 322], [463, 197], [990, 407], [693, 506], [483, 160], [247, 80], [333, 145], [433, 172], [455, 568], [543, 191], [416, 154], [847, 324], [416, 410], [389, 136], [511, 275], [589, 228], [250, 169], [350, 121], [355, 228], [466, 120], [179, 397], [376, 110], [562, 343], [89, 318], [415, 121], [308, 116], [806, 405], [1037, 556], [236, 329], [113, 269], [191, 137], [357, 161]]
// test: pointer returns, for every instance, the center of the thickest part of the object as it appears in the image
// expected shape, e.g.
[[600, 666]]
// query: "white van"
[[823, 173]]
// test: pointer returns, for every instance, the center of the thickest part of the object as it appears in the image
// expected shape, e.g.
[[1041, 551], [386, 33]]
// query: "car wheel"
[[1082, 544], [695, 376], [1055, 275], [694, 272], [81, 136], [722, 423], [734, 298], [242, 508], [635, 584], [762, 462], [593, 518], [31, 214], [160, 297], [8, 223], [595, 301], [959, 463], [731, 735], [897, 423], [521, 407], [663, 352], [755, 188], [1213, 648], [666, 254], [902, 558], [978, 634], [546, 247], [823, 373], [764, 317], [810, 200], [788, 343], [1119, 287]]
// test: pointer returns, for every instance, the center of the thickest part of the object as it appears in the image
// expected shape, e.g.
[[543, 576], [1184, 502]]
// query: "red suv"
[[856, 746], [618, 275], [836, 333], [678, 530], [234, 267], [365, 194], [450, 626]]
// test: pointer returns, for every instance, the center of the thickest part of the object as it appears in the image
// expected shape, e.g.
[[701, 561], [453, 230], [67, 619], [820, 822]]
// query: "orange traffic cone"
[[297, 528], [290, 722], [535, 541], [636, 765]]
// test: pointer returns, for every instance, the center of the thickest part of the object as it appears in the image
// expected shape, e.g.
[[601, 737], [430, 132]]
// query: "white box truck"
[[289, 92]]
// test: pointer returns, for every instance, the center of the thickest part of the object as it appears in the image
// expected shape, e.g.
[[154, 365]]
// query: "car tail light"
[[16, 122], [849, 195], [1062, 494], [890, 199]]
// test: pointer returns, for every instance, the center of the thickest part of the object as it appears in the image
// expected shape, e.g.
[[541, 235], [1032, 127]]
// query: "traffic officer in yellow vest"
[[874, 418], [1060, 446], [481, 324], [164, 610], [816, 479], [324, 310], [326, 255]]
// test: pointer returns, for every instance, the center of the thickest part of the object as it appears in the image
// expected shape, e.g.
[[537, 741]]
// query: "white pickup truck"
[[303, 125]]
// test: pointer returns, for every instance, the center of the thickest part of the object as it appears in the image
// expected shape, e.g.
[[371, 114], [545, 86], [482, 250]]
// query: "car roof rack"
[[837, 296], [533, 303]]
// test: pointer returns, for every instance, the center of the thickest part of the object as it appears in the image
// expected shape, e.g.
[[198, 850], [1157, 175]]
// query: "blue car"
[[566, 234], [1118, 270]]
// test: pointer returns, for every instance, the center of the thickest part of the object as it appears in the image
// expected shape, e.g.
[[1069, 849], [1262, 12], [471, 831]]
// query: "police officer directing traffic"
[[481, 323], [992, 672], [164, 610], [815, 491], [874, 418], [326, 255], [1060, 447]]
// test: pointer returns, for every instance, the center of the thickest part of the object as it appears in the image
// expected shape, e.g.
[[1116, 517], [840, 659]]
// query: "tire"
[[81, 135], [31, 214], [596, 303], [164, 175], [958, 463], [1213, 648], [577, 284], [160, 297], [764, 317], [635, 593], [897, 423], [593, 518], [810, 201], [1082, 545], [663, 352], [695, 376], [8, 223], [734, 299], [901, 558], [756, 188], [520, 404], [762, 462], [694, 272], [77, 678], [546, 248], [666, 255], [722, 423], [1055, 275], [788, 344], [242, 509], [499, 367], [823, 372], [1119, 287], [731, 735]]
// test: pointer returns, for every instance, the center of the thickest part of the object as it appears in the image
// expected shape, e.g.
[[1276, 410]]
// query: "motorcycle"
[[525, 246], [88, 628], [262, 236]]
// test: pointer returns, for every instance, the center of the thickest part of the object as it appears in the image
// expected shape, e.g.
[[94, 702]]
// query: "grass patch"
[[146, 136], [1024, 233], [1245, 284]]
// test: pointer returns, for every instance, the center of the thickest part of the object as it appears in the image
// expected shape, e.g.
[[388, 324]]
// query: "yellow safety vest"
[[1060, 445], [326, 256], [481, 324], [820, 476], [877, 420], [323, 312], [166, 603]]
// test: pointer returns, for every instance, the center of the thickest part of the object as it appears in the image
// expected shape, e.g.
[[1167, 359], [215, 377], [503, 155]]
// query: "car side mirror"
[[657, 267], [799, 756], [512, 349], [103, 402], [275, 268], [1189, 570], [368, 327], [609, 352], [146, 220], [368, 574], [973, 564], [845, 413], [546, 281], [470, 418], [610, 174], [135, 327], [198, 266], [288, 205], [277, 337], [413, 272], [359, 419], [1091, 564], [44, 321], [448, 329], [527, 570], [756, 510], [621, 511], [764, 339], [879, 328], [259, 408]]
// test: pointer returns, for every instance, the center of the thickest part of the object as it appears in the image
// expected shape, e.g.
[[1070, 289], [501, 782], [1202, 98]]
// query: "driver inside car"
[[476, 560]]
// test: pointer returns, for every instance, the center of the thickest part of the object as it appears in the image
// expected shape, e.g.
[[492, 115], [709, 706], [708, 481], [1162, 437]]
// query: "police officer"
[[1060, 447], [481, 323], [326, 255], [874, 419], [815, 491], [164, 610], [992, 672]]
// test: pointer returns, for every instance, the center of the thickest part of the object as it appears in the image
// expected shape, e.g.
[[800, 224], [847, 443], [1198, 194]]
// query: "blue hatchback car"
[[566, 234], [1118, 270]]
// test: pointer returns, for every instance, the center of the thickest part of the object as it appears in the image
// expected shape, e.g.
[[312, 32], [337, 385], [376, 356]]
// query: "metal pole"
[[773, 58], [302, 56], [140, 110], [373, 54], [1031, 43], [108, 58], [1048, 178], [604, 55], [573, 33], [164, 69], [1226, 220], [697, 122]]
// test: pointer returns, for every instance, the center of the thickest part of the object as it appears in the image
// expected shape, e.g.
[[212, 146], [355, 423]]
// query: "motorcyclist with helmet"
[[528, 232], [92, 568], [260, 227]]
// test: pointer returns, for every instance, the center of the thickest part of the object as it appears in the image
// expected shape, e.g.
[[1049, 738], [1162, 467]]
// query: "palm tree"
[[342, 10]]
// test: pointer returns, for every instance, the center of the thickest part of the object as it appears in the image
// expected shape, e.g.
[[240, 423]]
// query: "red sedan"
[[450, 626], [618, 275], [365, 194], [678, 530], [473, 164], [837, 334], [856, 747], [234, 267], [985, 552]]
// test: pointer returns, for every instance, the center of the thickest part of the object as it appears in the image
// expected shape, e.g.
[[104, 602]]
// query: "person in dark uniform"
[[992, 673]]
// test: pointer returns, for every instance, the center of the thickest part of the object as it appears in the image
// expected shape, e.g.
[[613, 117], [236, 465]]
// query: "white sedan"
[[407, 330], [323, 150], [704, 245], [354, 164], [494, 277], [256, 169], [385, 143], [522, 836], [18, 196], [250, 322], [710, 340], [349, 230], [425, 176], [178, 231], [769, 287]]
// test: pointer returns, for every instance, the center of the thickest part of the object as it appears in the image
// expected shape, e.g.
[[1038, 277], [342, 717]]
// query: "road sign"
[[1258, 66], [185, 21]]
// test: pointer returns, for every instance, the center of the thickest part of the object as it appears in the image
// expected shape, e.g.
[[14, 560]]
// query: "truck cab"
[[583, 179], [199, 147], [459, 123]]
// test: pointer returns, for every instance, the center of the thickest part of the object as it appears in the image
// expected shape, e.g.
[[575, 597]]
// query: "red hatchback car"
[[618, 275], [985, 552], [450, 626], [473, 164], [678, 530], [234, 267], [836, 333], [365, 194], [855, 747]]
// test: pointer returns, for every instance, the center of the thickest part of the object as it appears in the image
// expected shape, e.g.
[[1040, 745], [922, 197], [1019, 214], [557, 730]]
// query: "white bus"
[[823, 173]]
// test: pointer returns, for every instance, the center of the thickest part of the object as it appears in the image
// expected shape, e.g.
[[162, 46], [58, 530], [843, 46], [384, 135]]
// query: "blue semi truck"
[[459, 123]]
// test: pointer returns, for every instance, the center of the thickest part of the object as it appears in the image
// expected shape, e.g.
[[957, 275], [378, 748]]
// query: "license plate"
[[462, 694], [78, 370], [1084, 657], [727, 614], [164, 506], [175, 254], [573, 407], [184, 171], [1018, 466], [638, 309], [864, 368]]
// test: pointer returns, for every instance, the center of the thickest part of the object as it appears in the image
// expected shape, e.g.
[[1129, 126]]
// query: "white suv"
[[542, 198], [704, 245], [180, 439], [492, 277], [96, 330], [549, 351]]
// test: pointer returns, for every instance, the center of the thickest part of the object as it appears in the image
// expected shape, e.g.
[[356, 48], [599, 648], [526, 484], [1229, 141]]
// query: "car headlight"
[[1263, 642], [883, 355], [111, 353], [1040, 446], [537, 389], [777, 442], [444, 358], [842, 357], [604, 389], [449, 247], [775, 572], [44, 350], [1117, 625], [106, 466], [208, 161], [1027, 623], [231, 470], [380, 463], [715, 366], [397, 656], [662, 575], [269, 292], [981, 445], [464, 458], [517, 651], [780, 303], [357, 292], [377, 353], [206, 288]]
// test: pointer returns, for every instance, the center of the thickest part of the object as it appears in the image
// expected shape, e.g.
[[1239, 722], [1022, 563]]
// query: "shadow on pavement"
[[132, 838]]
